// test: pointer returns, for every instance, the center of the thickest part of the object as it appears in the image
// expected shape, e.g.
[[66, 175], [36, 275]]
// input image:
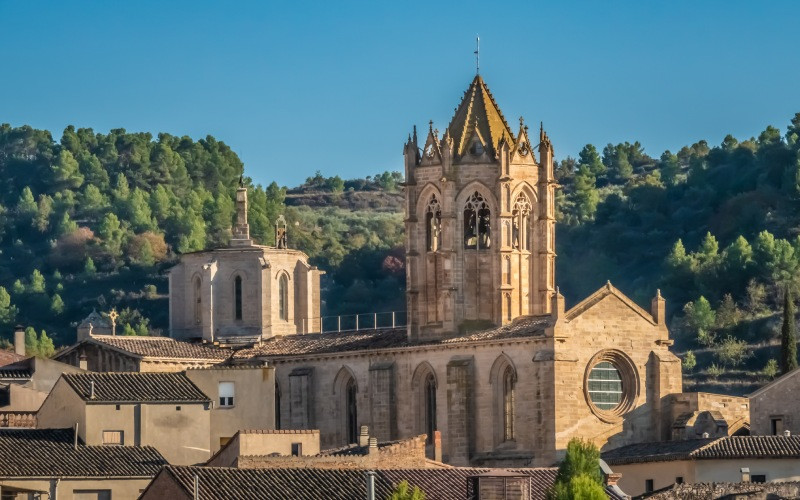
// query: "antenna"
[[477, 55]]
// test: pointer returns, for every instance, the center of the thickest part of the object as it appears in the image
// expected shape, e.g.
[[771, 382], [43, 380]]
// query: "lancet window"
[[477, 223], [509, 381], [352, 411], [433, 224], [520, 239], [430, 406], [283, 298], [237, 298], [198, 305]]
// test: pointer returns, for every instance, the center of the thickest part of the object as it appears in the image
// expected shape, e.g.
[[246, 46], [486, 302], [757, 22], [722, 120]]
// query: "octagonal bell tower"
[[480, 222]]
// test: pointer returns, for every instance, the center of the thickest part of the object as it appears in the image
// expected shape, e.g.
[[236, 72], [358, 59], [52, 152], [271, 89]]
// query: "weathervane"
[[477, 55], [113, 317]]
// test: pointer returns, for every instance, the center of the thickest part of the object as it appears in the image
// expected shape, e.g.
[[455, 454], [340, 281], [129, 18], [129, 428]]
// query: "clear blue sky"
[[295, 87]]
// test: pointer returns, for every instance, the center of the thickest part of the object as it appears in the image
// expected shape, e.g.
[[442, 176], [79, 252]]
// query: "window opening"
[[509, 381], [430, 406], [522, 210], [115, 438], [198, 306], [605, 386], [352, 412], [433, 224], [226, 393], [237, 293], [477, 223], [283, 297]]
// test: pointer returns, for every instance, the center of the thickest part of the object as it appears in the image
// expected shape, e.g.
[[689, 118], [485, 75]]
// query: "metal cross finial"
[[113, 315], [477, 55]]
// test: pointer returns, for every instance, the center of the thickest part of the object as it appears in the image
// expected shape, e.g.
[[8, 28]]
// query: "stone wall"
[[769, 403], [730, 491]]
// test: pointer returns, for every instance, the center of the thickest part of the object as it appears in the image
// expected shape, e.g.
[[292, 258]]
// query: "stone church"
[[491, 362]]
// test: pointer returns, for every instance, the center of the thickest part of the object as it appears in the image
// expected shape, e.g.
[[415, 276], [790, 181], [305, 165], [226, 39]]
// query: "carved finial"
[[113, 315], [241, 181], [477, 55], [430, 126], [658, 293], [521, 121], [415, 134]]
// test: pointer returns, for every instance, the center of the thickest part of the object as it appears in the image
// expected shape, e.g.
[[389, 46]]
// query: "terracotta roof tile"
[[135, 387], [50, 453], [311, 484], [163, 347], [8, 357], [325, 343], [731, 447]]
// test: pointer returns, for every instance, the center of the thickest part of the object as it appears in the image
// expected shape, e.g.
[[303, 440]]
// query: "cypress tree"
[[788, 335]]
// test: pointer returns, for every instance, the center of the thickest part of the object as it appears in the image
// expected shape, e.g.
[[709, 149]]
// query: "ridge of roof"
[[602, 292]]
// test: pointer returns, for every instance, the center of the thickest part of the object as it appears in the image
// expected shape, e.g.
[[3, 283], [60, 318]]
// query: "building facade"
[[244, 291]]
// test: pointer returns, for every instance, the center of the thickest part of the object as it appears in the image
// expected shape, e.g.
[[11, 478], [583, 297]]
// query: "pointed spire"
[[478, 111]]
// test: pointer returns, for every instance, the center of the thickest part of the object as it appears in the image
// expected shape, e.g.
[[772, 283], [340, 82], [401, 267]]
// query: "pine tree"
[[788, 334], [57, 304], [89, 268], [579, 475], [37, 282], [586, 196]]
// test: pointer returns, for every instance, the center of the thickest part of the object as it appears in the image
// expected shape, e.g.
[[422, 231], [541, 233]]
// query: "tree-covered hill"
[[94, 220]]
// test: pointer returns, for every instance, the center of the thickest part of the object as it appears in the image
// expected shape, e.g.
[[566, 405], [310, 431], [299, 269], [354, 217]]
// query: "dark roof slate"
[[50, 453], [730, 447], [126, 387], [329, 343], [330, 484], [163, 347]]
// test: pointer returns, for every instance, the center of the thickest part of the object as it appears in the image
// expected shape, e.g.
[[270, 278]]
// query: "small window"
[[758, 478], [297, 449], [177, 408], [226, 390], [115, 438], [237, 298], [118, 407], [648, 485], [777, 426], [679, 480]]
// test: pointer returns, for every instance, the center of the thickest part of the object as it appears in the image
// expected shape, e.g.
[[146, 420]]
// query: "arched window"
[[433, 224], [237, 298], [352, 411], [283, 297], [477, 223], [509, 381], [522, 212], [198, 305], [430, 406]]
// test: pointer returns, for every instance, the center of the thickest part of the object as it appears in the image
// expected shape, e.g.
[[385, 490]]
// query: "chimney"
[[363, 438], [437, 446], [19, 340], [75, 437], [705, 435], [83, 362], [91, 390], [658, 307], [745, 474], [373, 445], [787, 433]]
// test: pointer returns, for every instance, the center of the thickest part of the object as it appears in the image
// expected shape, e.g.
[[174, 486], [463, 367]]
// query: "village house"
[[770, 413], [54, 463], [647, 467], [163, 410]]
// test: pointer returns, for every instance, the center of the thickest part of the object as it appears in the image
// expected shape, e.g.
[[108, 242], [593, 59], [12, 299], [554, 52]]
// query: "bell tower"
[[480, 222]]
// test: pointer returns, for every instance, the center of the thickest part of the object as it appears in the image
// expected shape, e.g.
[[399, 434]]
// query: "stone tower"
[[480, 222]]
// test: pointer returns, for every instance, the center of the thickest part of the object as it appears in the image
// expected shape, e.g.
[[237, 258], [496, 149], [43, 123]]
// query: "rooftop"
[[478, 112], [51, 453], [731, 447], [162, 347], [8, 357], [129, 387], [328, 343], [329, 484]]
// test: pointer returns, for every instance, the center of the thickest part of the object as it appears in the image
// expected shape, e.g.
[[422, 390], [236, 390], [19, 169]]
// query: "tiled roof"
[[654, 452], [325, 343], [703, 449], [163, 347], [51, 453], [8, 357], [135, 387], [331, 484], [752, 447], [478, 109]]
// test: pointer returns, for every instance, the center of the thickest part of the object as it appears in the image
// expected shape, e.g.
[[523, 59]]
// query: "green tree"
[[89, 268], [756, 296], [66, 173], [18, 287], [139, 214], [589, 158], [585, 194], [57, 304], [66, 225], [37, 284], [689, 361], [8, 312], [94, 201], [45, 345], [788, 334], [732, 352], [111, 234], [700, 318], [728, 313], [26, 205], [44, 209], [31, 342], [670, 168], [403, 491], [771, 369], [579, 470]]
